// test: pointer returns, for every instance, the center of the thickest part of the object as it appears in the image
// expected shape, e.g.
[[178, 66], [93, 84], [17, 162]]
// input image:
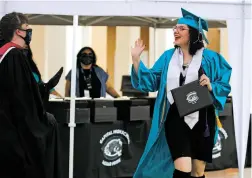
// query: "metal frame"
[[40, 19]]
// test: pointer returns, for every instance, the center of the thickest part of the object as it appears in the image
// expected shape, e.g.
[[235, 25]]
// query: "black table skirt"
[[113, 150]]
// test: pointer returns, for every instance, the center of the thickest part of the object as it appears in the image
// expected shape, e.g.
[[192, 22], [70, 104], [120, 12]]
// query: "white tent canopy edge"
[[212, 11], [238, 18]]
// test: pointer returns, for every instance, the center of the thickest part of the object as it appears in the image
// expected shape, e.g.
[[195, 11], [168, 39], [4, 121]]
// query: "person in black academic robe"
[[28, 134]]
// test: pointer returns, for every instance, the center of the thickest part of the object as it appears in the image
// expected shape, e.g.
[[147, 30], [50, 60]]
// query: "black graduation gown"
[[29, 143]]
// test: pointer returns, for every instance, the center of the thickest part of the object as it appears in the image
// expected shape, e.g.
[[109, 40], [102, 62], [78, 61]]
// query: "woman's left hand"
[[205, 81]]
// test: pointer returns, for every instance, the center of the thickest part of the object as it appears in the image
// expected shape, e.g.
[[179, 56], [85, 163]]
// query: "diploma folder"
[[191, 97]]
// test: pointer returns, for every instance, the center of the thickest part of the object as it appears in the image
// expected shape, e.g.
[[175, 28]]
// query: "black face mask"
[[86, 60], [28, 36]]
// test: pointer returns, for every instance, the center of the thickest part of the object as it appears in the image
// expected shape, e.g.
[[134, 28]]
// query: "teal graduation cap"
[[194, 21]]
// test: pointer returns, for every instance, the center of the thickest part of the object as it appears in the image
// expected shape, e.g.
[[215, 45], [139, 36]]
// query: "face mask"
[[28, 36], [86, 60]]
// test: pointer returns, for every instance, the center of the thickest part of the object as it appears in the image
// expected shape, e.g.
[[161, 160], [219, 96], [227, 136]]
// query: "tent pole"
[[155, 40], [72, 124], [242, 156]]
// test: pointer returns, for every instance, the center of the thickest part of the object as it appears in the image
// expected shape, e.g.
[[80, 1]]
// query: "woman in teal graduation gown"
[[181, 147]]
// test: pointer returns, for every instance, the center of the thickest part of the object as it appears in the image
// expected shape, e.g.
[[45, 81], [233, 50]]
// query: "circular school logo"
[[222, 135], [192, 97], [112, 146]]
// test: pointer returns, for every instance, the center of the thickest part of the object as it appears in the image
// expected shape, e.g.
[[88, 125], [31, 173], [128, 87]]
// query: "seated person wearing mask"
[[91, 79]]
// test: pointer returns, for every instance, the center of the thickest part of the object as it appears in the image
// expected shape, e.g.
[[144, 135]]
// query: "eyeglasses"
[[179, 28]]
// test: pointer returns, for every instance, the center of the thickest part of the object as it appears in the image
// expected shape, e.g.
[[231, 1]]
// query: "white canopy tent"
[[236, 14]]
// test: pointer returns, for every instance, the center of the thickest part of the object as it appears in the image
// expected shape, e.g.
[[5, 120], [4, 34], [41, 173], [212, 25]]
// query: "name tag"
[[86, 93]]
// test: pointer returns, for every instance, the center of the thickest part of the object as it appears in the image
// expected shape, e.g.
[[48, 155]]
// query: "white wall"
[[86, 36], [99, 44], [161, 43], [55, 48], [69, 44], [125, 38], [160, 40], [164, 41], [39, 47], [134, 34], [50, 51], [224, 43]]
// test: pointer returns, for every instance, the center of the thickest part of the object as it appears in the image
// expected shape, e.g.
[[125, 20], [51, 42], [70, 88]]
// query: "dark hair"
[[80, 53], [195, 41], [8, 24]]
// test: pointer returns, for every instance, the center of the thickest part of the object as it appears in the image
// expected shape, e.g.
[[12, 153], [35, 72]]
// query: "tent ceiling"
[[39, 19]]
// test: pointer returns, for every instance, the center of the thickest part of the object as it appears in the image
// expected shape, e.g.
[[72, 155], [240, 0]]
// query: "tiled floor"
[[228, 173]]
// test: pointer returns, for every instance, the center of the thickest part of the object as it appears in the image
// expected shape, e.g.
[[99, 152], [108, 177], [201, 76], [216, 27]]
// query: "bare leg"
[[183, 164], [198, 168]]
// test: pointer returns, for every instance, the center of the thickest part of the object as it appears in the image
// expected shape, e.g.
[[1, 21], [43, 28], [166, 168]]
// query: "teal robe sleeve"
[[37, 80], [148, 80], [220, 85], [36, 77]]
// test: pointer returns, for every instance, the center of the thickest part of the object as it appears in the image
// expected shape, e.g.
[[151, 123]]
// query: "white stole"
[[173, 77]]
